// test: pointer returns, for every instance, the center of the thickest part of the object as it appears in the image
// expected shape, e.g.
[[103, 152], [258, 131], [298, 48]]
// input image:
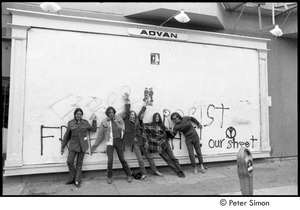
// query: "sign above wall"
[[157, 34]]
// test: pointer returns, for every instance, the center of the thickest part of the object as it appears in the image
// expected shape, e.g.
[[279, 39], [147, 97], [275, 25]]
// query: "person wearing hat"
[[192, 140], [76, 136]]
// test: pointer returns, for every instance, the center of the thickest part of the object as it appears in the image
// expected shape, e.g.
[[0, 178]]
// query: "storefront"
[[62, 62]]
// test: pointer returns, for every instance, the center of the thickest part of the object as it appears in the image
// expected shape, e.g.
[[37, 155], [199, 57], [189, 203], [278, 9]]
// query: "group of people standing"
[[129, 129]]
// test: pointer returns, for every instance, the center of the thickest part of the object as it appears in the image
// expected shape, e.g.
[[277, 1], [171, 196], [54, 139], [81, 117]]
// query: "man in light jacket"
[[111, 130]]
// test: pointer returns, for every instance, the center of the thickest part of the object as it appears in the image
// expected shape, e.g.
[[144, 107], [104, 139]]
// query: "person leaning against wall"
[[76, 135], [156, 140], [111, 130], [192, 140], [133, 139]]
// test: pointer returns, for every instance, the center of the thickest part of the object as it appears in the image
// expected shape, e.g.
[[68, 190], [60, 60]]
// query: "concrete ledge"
[[102, 165], [119, 171]]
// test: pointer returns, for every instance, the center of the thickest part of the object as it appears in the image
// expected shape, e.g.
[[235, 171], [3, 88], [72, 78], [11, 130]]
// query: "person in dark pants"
[[133, 139], [183, 124], [112, 130], [155, 134], [76, 135]]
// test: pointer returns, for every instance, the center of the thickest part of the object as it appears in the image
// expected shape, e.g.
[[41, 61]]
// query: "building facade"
[[223, 67]]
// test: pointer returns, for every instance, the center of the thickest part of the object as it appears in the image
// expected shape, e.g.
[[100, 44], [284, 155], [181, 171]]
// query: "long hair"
[[159, 121], [135, 115], [77, 110], [108, 109], [177, 115], [136, 120]]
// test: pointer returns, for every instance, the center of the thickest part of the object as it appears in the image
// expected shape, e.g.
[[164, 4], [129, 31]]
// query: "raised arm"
[[141, 115], [126, 112], [93, 128]]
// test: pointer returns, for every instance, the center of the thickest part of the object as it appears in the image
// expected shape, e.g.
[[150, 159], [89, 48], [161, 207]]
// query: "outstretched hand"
[[126, 97], [146, 103]]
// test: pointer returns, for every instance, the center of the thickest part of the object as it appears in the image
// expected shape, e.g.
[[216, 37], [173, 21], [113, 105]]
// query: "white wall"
[[69, 69]]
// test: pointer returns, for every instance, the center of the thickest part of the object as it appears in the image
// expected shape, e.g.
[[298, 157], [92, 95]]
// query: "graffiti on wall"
[[231, 141], [95, 106]]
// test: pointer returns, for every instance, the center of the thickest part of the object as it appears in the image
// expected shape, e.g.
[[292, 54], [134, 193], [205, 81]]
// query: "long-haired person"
[[155, 134], [76, 136], [133, 139]]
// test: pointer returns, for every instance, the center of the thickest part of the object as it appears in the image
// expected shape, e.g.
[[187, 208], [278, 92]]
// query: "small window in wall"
[[5, 101], [155, 58]]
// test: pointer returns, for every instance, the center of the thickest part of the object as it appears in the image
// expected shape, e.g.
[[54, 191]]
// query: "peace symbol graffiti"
[[230, 133]]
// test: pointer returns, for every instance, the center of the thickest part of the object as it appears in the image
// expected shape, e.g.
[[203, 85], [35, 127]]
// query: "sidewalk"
[[270, 177]]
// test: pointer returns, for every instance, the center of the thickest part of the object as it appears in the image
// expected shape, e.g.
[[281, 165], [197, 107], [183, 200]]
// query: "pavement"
[[271, 176]]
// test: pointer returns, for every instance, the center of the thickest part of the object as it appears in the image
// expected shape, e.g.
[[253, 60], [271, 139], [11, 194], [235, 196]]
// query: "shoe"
[[196, 170], [129, 179], [143, 177], [180, 174], [202, 170], [109, 180], [77, 184], [69, 182], [158, 173]]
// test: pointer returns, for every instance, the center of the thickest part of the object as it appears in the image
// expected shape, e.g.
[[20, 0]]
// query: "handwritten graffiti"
[[191, 112], [230, 133], [111, 99], [179, 110], [94, 105], [42, 136], [212, 118], [231, 142], [167, 113], [126, 89], [62, 127]]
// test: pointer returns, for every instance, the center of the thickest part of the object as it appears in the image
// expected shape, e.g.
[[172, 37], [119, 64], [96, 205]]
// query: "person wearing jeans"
[[183, 124], [133, 138], [168, 156], [118, 145], [156, 140], [111, 130]]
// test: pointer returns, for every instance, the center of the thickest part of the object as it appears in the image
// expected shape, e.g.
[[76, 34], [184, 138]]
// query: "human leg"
[[199, 154], [150, 161], [79, 161], [70, 163], [190, 148], [110, 156], [173, 158], [168, 160], [139, 157], [165, 154], [118, 144]]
